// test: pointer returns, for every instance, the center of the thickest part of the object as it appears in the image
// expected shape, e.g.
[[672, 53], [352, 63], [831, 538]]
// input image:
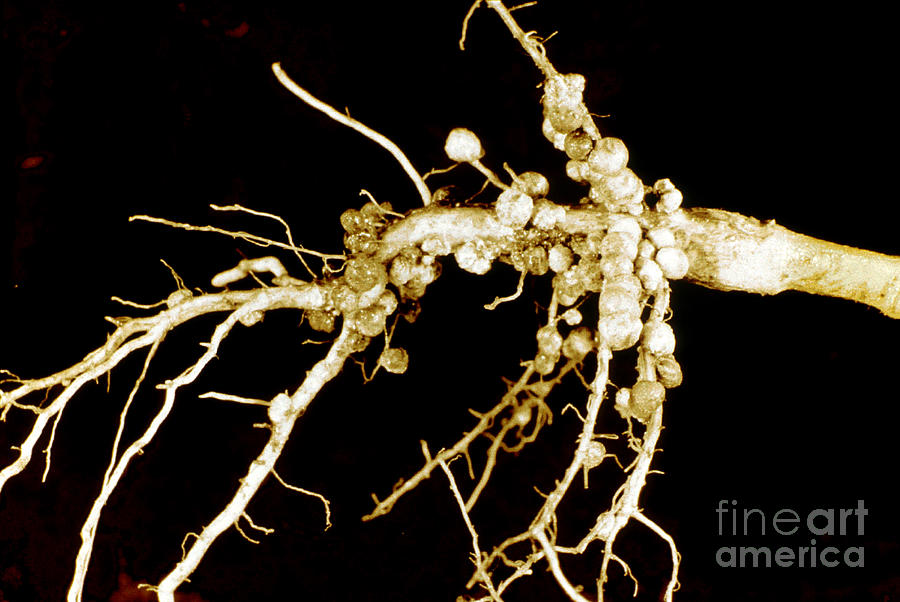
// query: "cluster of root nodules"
[[610, 255], [615, 250]]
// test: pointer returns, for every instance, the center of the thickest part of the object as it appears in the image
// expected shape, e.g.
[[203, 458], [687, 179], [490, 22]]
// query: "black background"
[[774, 111]]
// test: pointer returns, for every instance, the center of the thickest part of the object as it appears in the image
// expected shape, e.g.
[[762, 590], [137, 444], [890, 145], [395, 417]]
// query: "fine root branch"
[[321, 497], [482, 574], [322, 372], [366, 131]]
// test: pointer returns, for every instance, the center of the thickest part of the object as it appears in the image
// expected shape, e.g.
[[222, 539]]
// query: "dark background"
[[112, 110]]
